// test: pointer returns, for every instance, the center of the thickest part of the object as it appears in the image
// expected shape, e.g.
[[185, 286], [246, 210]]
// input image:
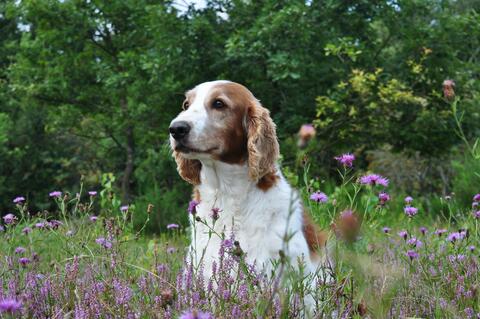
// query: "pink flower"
[[172, 226], [19, 200], [93, 218], [192, 207], [124, 208], [346, 159], [383, 198], [9, 219], [55, 194], [92, 193], [408, 199], [319, 197], [374, 179], [410, 211]]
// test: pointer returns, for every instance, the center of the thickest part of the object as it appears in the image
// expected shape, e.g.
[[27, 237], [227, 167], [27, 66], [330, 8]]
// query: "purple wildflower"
[[386, 230], [476, 198], [346, 159], [26, 230], [20, 250], [410, 211], [408, 199], [92, 193], [55, 223], [423, 230], [104, 242], [41, 225], [440, 232], [474, 205], [2, 228], [124, 208], [215, 213], [453, 237], [55, 194], [93, 218], [374, 179], [9, 219], [192, 207], [194, 314], [172, 226], [171, 250], [24, 261], [319, 197], [412, 254], [415, 242], [383, 198], [476, 214], [471, 248], [403, 234], [10, 305], [19, 200]]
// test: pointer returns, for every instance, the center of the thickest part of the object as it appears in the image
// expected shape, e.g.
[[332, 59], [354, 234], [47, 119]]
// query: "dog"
[[224, 143]]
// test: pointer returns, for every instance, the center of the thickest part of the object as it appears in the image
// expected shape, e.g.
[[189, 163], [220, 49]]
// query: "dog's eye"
[[185, 105], [217, 104]]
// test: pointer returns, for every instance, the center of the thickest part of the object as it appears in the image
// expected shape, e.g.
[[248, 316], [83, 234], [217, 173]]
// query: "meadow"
[[87, 260]]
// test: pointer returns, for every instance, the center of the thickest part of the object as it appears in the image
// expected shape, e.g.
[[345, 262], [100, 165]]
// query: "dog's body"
[[225, 144]]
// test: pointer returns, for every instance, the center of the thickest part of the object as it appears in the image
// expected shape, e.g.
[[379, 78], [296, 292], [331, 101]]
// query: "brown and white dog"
[[225, 144]]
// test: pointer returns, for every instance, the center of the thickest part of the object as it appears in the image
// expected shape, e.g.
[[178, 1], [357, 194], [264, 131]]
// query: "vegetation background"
[[89, 87]]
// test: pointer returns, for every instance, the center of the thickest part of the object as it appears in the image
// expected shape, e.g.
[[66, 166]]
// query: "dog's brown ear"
[[189, 169], [262, 144]]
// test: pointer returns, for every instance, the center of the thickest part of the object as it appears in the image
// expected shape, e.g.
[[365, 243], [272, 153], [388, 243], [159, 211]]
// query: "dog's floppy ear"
[[189, 169], [262, 144]]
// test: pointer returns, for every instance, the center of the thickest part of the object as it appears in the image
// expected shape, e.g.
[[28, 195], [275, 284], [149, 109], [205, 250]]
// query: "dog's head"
[[223, 121]]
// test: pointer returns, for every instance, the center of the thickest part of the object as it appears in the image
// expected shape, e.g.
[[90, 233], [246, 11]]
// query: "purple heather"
[[346, 159], [319, 197], [194, 314], [10, 305], [374, 179]]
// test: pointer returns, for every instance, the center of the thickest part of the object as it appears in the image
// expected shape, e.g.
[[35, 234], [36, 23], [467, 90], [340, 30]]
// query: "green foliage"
[[88, 88]]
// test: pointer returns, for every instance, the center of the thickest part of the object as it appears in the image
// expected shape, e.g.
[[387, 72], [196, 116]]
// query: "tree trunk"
[[130, 155]]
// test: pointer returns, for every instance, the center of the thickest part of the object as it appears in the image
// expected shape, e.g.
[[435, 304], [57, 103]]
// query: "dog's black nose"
[[179, 129]]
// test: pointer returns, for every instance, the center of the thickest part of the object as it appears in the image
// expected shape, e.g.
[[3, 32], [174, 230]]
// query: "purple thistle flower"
[[24, 261], [346, 159], [19, 200], [474, 205], [55, 223], [319, 197], [374, 179], [423, 230], [476, 198], [476, 214], [453, 237], [104, 242], [412, 254], [194, 314], [408, 199], [92, 193], [471, 248], [41, 225], [215, 213], [410, 211], [20, 250], [172, 226], [55, 194], [192, 207], [415, 242], [383, 198], [124, 208], [403, 234], [440, 232], [386, 230], [93, 218], [9, 219], [10, 305], [26, 230], [171, 250]]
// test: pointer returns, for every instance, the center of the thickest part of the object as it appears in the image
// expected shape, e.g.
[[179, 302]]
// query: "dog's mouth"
[[182, 148]]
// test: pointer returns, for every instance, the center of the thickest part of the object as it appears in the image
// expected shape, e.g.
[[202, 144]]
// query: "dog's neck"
[[226, 179]]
